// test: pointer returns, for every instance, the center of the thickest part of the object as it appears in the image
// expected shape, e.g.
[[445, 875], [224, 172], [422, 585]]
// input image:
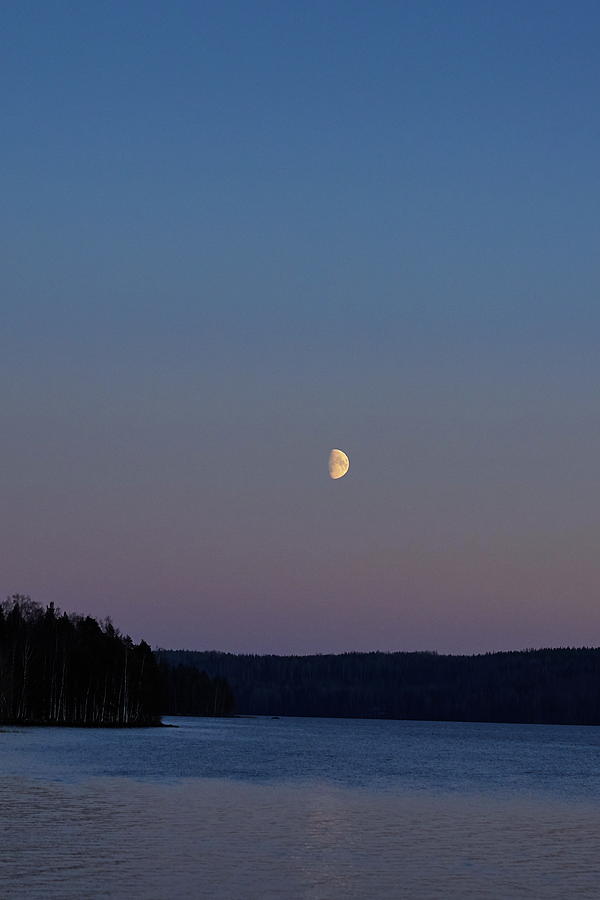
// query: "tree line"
[[554, 686], [188, 691], [61, 669]]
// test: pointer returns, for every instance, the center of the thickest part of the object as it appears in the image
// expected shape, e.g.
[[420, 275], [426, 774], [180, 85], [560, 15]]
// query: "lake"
[[300, 808]]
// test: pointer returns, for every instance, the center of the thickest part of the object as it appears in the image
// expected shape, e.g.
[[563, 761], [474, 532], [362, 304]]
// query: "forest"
[[60, 669], [188, 691], [553, 686], [67, 669]]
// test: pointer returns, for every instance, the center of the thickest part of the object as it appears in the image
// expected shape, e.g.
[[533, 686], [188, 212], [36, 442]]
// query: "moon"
[[338, 464]]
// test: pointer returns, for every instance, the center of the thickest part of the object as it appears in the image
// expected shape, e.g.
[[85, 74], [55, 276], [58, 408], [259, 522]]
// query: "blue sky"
[[236, 235]]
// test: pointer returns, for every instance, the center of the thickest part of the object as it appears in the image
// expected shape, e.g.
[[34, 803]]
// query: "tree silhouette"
[[59, 669], [560, 686], [64, 669]]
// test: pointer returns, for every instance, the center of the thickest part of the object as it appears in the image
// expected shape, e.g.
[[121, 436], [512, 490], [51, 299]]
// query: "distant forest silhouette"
[[66, 669], [60, 669], [552, 686]]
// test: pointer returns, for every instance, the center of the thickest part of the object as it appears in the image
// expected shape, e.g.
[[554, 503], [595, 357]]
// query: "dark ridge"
[[547, 686]]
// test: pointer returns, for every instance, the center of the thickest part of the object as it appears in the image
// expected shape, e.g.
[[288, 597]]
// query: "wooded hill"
[[60, 669], [559, 686]]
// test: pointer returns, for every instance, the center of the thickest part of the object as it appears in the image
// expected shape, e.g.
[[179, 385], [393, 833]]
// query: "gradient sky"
[[237, 234]]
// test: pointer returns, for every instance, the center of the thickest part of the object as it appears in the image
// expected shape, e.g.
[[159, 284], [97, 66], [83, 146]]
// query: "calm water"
[[315, 808]]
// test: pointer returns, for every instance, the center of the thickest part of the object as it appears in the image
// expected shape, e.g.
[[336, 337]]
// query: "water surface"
[[315, 808]]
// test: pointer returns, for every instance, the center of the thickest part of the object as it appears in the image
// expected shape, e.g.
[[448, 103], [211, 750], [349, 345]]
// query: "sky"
[[235, 235]]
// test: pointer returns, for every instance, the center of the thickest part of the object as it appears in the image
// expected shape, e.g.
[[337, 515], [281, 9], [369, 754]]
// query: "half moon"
[[338, 464]]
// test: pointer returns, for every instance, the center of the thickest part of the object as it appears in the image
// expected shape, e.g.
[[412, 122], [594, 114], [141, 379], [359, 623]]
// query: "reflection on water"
[[87, 836], [207, 838]]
